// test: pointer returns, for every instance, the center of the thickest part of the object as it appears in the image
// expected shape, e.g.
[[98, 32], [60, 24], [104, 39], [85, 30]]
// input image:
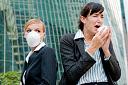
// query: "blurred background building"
[[60, 17]]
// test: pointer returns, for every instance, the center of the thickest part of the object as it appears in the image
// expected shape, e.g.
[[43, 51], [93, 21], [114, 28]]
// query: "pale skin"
[[93, 37], [37, 27], [101, 40]]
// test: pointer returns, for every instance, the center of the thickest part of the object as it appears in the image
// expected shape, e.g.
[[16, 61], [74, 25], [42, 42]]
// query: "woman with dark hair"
[[88, 57]]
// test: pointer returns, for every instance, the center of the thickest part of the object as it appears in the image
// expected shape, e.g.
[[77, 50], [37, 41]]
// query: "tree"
[[10, 78]]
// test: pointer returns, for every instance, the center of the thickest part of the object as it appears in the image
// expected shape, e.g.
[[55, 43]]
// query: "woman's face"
[[93, 22], [35, 27]]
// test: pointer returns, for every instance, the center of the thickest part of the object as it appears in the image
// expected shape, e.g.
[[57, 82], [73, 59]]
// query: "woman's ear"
[[43, 36], [83, 19]]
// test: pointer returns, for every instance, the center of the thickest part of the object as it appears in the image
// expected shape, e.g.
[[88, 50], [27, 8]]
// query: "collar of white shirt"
[[37, 48], [78, 35]]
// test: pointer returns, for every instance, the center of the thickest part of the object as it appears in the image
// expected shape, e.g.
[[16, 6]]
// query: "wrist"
[[91, 50], [107, 53]]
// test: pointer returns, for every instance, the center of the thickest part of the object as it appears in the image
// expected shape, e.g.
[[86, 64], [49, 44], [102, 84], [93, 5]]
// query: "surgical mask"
[[33, 39]]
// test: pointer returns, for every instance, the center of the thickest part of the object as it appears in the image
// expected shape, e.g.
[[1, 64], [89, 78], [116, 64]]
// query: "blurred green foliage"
[[10, 78]]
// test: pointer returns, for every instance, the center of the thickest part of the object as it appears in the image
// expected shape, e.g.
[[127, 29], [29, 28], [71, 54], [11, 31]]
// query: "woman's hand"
[[105, 46], [99, 40]]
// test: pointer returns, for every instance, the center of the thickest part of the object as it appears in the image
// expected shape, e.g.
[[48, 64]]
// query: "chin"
[[94, 32]]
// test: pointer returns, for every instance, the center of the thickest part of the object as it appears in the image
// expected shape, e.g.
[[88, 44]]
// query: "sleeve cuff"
[[107, 58]]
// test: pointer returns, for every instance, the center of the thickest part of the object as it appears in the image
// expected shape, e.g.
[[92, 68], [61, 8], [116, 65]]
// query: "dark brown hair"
[[89, 9]]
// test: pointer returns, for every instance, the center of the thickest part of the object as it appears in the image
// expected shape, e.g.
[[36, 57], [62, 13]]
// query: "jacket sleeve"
[[73, 68], [48, 67], [112, 64]]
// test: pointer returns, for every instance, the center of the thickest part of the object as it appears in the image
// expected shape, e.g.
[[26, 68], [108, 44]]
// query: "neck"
[[33, 48], [87, 35]]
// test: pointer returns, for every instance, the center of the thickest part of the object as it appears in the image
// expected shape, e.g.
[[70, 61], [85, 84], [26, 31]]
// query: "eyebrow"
[[33, 28], [98, 14]]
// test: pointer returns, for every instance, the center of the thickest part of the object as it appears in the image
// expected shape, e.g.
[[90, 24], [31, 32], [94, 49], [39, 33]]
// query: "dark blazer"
[[76, 62], [41, 68]]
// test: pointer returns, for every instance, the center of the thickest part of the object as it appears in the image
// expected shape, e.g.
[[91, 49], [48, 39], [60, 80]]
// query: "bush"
[[10, 78]]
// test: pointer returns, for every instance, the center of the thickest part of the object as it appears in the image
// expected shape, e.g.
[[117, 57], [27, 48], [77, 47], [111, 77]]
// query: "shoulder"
[[67, 41], [48, 49], [71, 36], [67, 37], [47, 52]]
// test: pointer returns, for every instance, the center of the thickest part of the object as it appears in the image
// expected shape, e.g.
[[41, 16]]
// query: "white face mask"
[[33, 39]]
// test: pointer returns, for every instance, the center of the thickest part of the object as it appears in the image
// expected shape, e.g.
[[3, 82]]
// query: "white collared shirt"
[[42, 44], [37, 48], [96, 72]]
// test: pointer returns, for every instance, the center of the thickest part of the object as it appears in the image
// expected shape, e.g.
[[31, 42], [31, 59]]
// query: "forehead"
[[98, 13], [35, 26]]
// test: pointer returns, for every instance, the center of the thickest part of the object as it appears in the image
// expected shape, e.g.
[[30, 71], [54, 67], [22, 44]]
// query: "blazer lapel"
[[32, 58], [80, 44]]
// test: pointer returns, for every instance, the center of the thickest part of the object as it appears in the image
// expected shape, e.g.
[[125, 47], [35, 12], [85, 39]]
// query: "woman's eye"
[[95, 16], [37, 30], [29, 30], [102, 16]]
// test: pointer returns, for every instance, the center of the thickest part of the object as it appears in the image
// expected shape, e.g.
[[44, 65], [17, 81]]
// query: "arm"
[[74, 68], [48, 67], [113, 65]]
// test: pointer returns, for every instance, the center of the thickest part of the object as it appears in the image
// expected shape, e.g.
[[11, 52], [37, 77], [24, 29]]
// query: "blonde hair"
[[34, 21]]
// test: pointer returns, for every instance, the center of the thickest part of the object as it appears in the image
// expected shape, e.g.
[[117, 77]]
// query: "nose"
[[100, 20]]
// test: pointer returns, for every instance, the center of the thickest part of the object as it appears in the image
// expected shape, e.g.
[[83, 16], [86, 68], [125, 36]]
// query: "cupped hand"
[[99, 40]]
